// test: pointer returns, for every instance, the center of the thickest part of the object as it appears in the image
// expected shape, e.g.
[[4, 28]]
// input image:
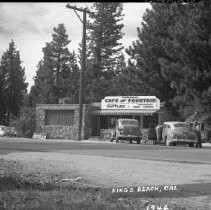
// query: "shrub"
[[26, 122]]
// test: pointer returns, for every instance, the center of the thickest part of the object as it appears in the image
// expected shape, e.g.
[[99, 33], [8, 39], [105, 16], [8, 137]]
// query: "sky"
[[31, 25]]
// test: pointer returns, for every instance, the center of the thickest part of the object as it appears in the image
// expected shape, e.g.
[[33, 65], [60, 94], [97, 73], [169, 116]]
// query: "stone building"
[[61, 120]]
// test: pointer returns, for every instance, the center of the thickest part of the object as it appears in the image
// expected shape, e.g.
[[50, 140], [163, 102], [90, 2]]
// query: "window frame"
[[60, 118]]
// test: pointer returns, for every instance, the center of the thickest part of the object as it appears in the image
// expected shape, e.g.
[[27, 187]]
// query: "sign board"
[[130, 102], [39, 135]]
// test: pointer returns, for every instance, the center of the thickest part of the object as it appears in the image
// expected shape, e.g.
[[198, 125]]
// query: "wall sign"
[[130, 102], [39, 135]]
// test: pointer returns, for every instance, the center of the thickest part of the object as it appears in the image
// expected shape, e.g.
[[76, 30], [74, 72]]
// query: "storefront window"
[[59, 117], [130, 122]]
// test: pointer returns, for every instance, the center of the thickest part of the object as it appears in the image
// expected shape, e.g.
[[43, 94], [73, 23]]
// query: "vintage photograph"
[[105, 105]]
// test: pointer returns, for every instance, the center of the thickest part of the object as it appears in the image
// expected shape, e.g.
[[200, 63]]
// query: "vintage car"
[[127, 129], [175, 132], [2, 130], [7, 131]]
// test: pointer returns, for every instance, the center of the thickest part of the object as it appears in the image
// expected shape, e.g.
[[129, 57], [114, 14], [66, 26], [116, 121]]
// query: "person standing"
[[159, 132], [198, 135]]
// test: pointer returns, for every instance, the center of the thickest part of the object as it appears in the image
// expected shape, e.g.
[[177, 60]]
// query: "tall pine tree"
[[148, 50], [71, 79], [56, 70], [173, 55], [13, 85], [128, 81], [105, 34], [190, 50], [104, 47], [1, 97]]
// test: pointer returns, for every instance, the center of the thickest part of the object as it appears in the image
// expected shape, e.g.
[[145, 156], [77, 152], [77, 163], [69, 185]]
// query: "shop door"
[[95, 125]]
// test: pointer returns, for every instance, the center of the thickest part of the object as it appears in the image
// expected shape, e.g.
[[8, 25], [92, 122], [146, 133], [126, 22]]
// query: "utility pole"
[[83, 64]]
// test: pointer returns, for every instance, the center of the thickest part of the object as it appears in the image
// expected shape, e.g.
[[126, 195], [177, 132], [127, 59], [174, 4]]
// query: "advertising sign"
[[130, 102]]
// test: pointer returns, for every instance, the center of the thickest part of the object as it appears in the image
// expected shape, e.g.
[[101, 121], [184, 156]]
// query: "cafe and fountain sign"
[[130, 103]]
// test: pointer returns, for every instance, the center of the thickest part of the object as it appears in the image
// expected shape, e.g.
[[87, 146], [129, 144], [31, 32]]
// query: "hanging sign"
[[130, 102]]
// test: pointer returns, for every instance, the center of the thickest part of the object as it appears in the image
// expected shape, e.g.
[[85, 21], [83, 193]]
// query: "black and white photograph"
[[105, 105]]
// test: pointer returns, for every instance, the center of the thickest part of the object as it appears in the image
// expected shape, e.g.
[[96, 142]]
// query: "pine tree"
[[128, 81], [13, 82], [60, 55], [148, 51], [43, 89], [55, 71], [190, 50], [117, 81], [1, 97], [173, 55], [105, 33], [72, 80], [104, 48], [93, 81]]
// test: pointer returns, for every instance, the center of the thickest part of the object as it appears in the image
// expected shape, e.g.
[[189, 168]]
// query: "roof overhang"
[[123, 112]]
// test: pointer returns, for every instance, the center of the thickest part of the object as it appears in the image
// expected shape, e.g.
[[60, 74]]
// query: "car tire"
[[191, 144], [171, 143]]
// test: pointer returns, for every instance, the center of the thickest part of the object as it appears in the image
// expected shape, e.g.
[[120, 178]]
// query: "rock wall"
[[61, 131]]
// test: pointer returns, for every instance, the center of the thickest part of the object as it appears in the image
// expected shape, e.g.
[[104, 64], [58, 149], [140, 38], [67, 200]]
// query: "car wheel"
[[191, 144]]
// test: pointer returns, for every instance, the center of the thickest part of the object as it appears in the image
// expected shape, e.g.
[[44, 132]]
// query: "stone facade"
[[61, 131], [88, 122]]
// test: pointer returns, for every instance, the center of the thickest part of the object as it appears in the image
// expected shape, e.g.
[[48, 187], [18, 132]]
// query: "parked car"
[[127, 129], [175, 132], [7, 131]]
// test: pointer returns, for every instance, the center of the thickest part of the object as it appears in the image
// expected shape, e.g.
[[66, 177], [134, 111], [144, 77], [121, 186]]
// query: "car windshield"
[[181, 125], [129, 122]]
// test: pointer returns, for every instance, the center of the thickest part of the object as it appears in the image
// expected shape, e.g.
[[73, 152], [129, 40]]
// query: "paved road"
[[122, 150]]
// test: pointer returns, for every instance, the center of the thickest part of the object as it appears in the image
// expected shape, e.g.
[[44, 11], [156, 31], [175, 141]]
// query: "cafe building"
[[99, 118]]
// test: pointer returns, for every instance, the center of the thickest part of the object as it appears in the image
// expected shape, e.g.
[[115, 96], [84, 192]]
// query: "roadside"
[[104, 171], [43, 174], [11, 139]]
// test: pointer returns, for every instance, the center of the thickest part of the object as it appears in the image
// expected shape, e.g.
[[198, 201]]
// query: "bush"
[[26, 122]]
